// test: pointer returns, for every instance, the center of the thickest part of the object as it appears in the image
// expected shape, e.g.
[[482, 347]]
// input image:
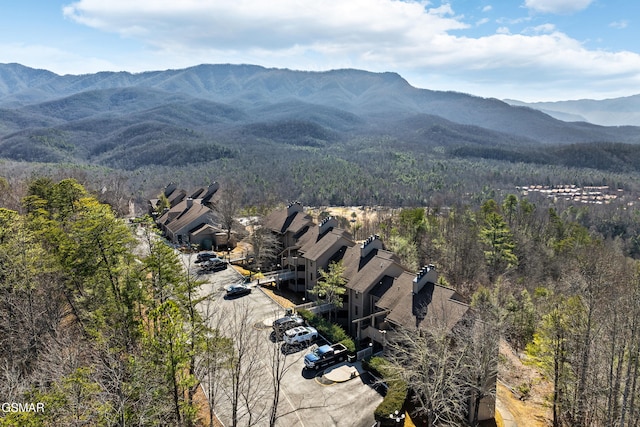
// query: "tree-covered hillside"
[[338, 137], [97, 330]]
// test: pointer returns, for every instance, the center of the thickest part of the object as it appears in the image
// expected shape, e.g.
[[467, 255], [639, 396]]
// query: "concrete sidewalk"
[[505, 414], [342, 373]]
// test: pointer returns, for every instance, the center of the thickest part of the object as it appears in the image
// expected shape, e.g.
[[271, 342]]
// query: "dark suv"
[[214, 264], [281, 325], [205, 256]]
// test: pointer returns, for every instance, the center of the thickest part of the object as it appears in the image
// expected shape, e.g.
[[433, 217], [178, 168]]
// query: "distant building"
[[191, 220]]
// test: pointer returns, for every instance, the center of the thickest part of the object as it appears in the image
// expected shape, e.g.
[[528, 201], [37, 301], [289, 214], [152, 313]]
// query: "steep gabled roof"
[[309, 238], [433, 305], [313, 250], [211, 195], [176, 197], [364, 272], [397, 291], [172, 213], [383, 286], [188, 215], [206, 229], [281, 221]]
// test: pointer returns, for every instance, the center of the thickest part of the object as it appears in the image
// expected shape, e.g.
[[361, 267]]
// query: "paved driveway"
[[304, 400]]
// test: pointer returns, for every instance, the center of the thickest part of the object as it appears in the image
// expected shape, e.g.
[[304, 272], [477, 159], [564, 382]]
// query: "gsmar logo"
[[22, 407]]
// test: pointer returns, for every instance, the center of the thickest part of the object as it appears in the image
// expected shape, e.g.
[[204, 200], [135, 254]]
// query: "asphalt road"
[[304, 400]]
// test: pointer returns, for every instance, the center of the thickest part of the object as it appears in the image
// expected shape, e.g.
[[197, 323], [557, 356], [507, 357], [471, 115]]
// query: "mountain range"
[[607, 112], [212, 112]]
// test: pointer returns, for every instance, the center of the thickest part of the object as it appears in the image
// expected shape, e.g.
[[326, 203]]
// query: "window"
[[355, 309]]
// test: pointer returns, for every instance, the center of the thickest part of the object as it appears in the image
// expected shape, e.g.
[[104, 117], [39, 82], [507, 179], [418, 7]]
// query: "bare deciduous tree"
[[265, 244], [280, 362], [228, 206], [214, 357], [432, 363], [245, 379]]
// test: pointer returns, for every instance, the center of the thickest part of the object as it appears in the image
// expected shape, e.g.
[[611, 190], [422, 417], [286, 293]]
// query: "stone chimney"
[[427, 274], [189, 202], [293, 208], [372, 242], [327, 224]]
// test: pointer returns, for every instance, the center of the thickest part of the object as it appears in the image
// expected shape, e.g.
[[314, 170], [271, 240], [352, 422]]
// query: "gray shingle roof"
[[433, 305], [188, 215], [314, 250], [363, 273], [279, 222]]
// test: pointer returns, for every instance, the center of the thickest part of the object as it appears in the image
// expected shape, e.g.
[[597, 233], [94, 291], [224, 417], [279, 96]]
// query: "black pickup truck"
[[326, 355]]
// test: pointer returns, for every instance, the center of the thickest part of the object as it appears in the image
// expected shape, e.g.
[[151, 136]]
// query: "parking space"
[[304, 401]]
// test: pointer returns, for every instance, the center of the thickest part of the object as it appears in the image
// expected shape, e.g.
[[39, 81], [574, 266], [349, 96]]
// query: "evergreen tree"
[[498, 239], [330, 286]]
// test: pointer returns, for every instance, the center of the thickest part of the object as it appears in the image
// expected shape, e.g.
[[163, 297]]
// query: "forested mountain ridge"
[[252, 88], [292, 134], [605, 112]]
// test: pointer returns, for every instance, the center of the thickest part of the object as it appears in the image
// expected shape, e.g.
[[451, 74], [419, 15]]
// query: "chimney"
[[293, 208], [372, 242], [427, 274], [189, 202], [327, 224]]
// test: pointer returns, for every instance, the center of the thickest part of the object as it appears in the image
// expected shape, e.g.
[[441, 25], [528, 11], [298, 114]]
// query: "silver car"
[[300, 335]]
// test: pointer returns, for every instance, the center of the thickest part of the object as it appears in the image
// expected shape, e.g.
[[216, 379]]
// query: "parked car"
[[300, 335], [205, 256], [325, 355], [287, 322], [214, 264], [238, 289]]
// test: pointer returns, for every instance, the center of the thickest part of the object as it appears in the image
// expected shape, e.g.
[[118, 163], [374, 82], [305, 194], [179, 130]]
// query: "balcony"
[[374, 334]]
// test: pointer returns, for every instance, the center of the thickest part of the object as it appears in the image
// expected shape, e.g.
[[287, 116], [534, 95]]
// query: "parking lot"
[[306, 399]]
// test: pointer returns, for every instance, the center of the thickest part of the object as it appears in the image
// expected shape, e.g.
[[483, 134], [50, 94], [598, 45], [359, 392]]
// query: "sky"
[[529, 50]]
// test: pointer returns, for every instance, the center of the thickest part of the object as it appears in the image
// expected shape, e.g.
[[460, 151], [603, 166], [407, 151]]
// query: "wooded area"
[[104, 333], [560, 287], [99, 332]]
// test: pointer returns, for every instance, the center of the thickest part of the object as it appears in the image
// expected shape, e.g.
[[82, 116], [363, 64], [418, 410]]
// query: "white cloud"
[[57, 60], [378, 35], [487, 8], [540, 29], [619, 25], [247, 24], [443, 10], [557, 6], [513, 21], [482, 21]]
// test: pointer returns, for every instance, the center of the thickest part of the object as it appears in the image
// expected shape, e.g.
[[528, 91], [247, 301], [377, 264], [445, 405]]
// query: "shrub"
[[334, 333], [396, 391], [393, 401], [306, 315], [376, 365], [524, 389]]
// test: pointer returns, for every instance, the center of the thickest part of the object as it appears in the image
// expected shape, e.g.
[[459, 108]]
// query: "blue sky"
[[530, 50]]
